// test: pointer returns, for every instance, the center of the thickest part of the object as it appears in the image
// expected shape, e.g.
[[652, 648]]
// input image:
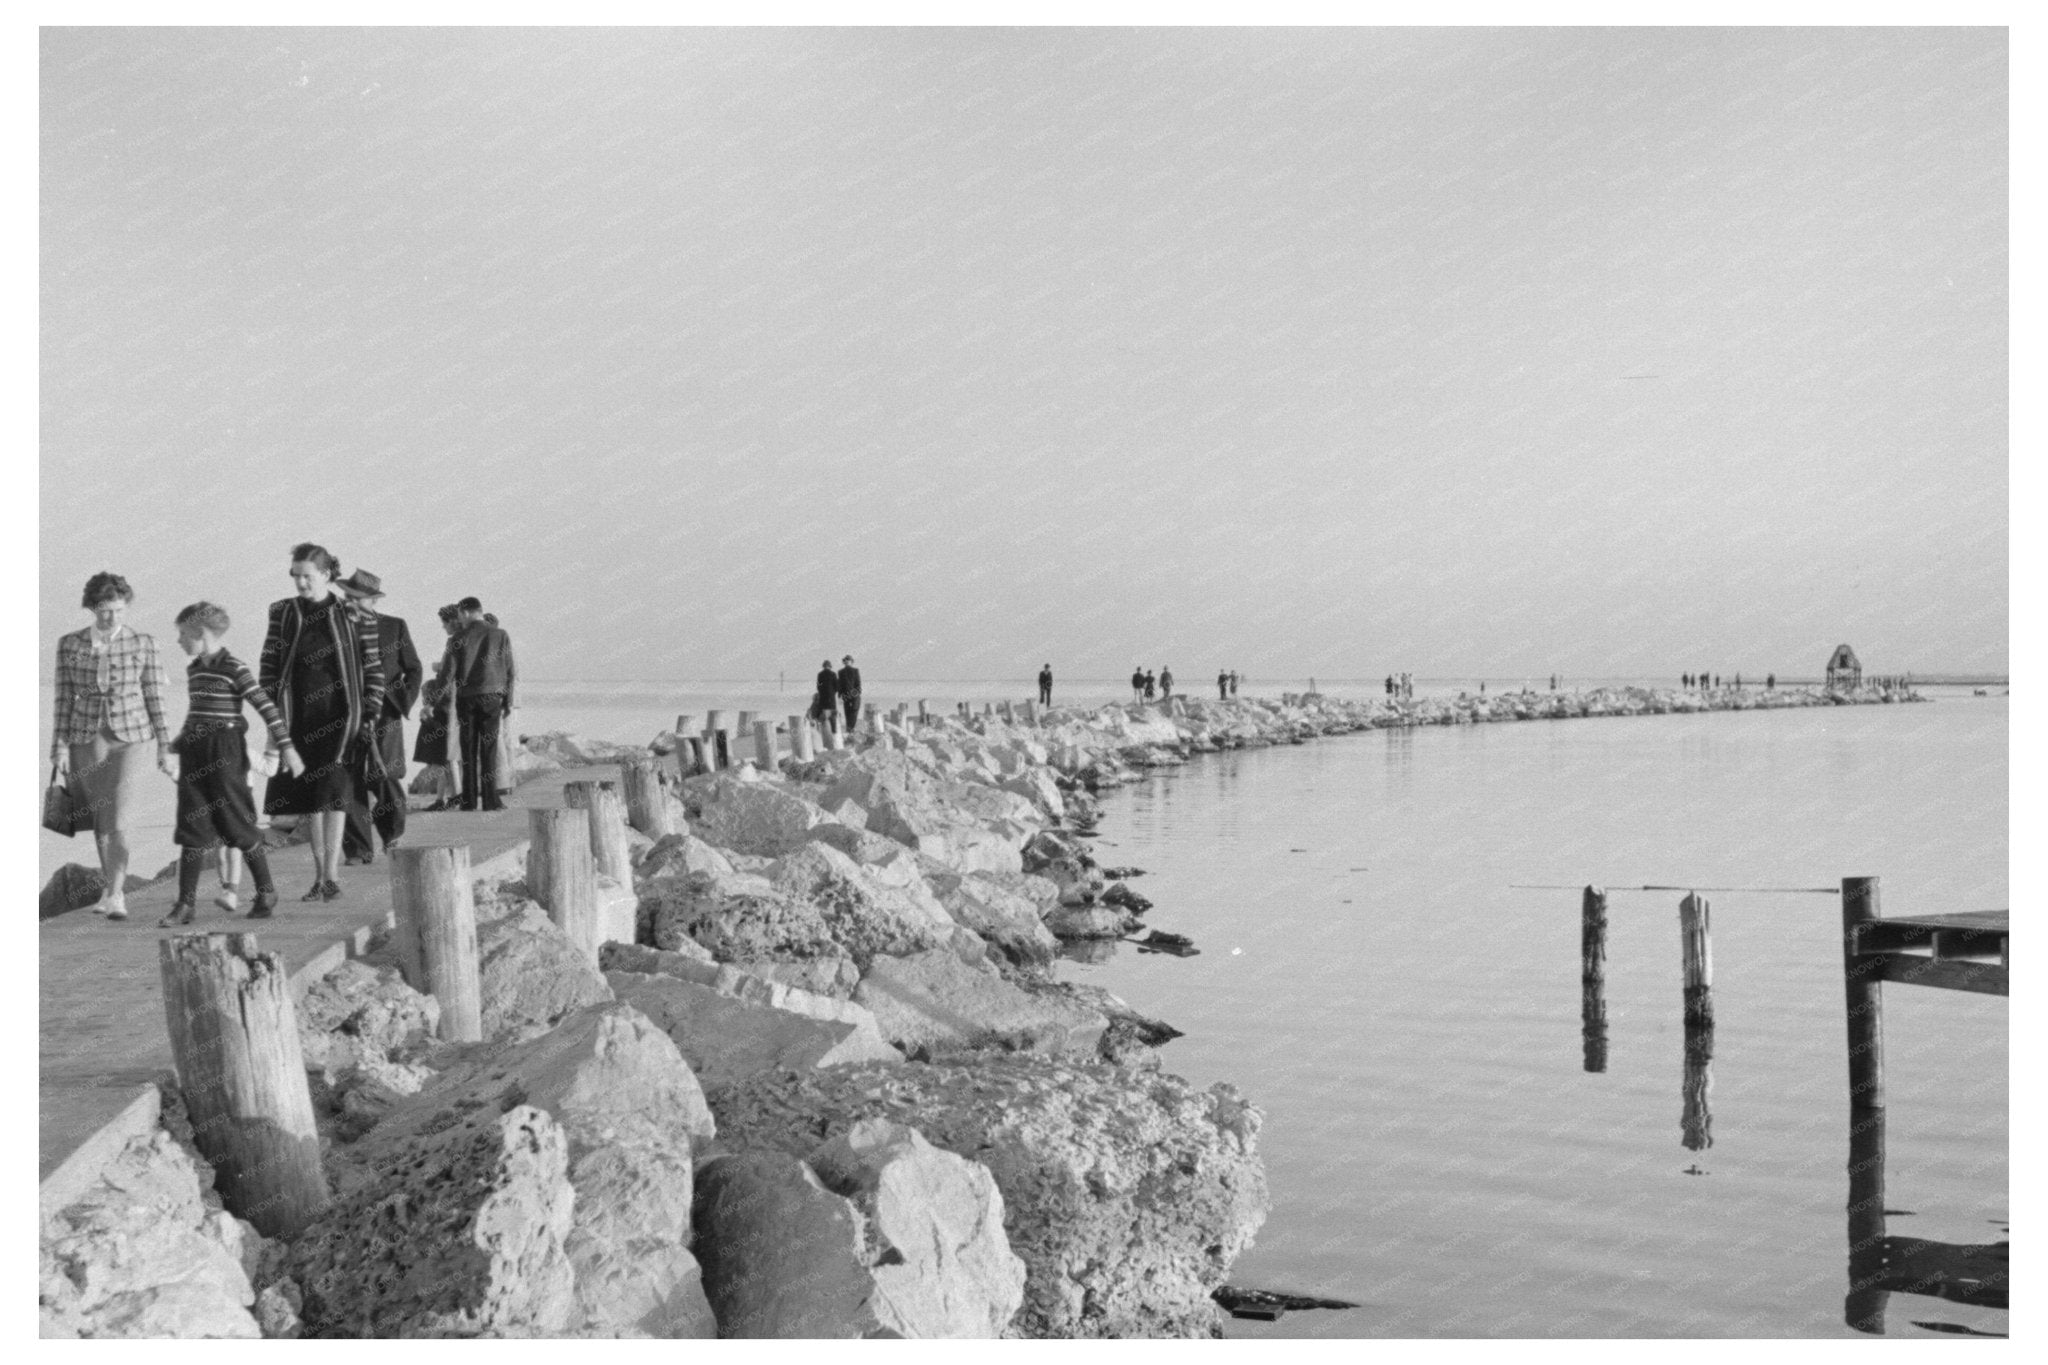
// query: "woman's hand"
[[60, 762], [163, 761], [293, 763]]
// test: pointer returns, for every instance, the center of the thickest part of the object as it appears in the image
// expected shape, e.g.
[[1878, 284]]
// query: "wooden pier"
[[1966, 952]]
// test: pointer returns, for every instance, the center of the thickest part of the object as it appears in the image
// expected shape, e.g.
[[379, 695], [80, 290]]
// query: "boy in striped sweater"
[[215, 805]]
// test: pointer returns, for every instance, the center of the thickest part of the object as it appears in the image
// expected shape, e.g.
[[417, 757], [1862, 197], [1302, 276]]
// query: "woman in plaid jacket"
[[110, 690], [321, 664]]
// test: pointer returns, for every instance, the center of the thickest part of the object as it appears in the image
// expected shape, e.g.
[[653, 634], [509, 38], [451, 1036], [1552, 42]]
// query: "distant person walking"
[[1045, 685], [1166, 680], [109, 699], [484, 675], [1137, 684], [436, 745], [1233, 682], [215, 806], [1770, 682], [378, 800], [1151, 685], [849, 693], [1222, 686], [322, 664], [825, 699]]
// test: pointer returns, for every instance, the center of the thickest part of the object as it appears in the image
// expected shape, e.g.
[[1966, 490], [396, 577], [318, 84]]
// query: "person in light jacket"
[[109, 703]]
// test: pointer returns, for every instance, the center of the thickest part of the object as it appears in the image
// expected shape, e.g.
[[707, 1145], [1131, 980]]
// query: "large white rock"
[[733, 1025], [530, 973], [931, 1003], [141, 1255], [1008, 920], [461, 1233], [363, 1014], [756, 818], [784, 1257], [941, 1264]]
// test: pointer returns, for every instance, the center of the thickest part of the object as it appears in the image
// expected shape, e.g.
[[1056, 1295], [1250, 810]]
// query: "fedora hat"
[[361, 583]]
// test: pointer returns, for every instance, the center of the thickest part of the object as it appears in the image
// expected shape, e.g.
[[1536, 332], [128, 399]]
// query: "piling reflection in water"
[[1696, 1118]]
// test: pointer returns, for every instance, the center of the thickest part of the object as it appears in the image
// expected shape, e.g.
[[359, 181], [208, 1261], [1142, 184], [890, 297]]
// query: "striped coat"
[[355, 640]]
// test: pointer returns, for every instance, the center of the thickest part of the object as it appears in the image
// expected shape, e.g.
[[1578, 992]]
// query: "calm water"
[[1410, 1023]]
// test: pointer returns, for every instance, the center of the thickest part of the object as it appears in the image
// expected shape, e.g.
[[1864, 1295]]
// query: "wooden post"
[[608, 848], [561, 874], [713, 719], [236, 1044], [1696, 1118], [764, 745], [924, 714], [867, 714], [800, 739], [434, 907], [690, 755], [1593, 976], [746, 723], [686, 724], [646, 810], [1863, 1308], [1699, 961], [722, 740]]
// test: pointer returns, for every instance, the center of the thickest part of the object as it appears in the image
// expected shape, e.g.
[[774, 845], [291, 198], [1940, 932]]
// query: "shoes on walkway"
[[315, 893], [497, 807], [228, 902], [359, 860], [330, 890], [265, 906], [117, 910], [181, 913]]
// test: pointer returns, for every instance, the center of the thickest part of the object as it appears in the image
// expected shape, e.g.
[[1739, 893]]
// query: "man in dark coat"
[[481, 668], [849, 693], [1045, 685], [825, 702], [378, 799]]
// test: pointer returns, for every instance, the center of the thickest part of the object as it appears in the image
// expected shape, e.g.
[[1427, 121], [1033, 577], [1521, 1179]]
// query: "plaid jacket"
[[361, 663], [133, 704]]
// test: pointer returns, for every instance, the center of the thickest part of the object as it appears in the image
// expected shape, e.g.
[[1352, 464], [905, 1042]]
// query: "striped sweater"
[[216, 685]]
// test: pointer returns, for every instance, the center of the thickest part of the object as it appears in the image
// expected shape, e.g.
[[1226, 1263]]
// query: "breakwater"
[[607, 1188]]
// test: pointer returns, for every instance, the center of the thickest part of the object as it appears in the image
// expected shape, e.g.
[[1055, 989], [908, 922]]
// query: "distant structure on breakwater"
[[1845, 670]]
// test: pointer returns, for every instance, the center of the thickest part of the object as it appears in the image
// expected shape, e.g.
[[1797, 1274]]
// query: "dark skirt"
[[431, 744], [215, 805], [319, 728]]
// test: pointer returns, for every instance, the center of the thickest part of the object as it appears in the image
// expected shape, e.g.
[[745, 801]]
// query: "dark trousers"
[[378, 800], [480, 715], [851, 702], [1045, 694]]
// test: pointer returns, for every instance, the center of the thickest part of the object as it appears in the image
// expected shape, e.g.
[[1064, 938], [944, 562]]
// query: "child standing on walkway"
[[215, 805]]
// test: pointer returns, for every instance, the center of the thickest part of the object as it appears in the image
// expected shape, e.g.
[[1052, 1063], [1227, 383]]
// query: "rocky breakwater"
[[832, 1089]]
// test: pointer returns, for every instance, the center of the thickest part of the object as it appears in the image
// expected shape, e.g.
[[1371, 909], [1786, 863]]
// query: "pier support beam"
[[647, 807], [434, 908], [235, 1041], [764, 745], [800, 739], [1864, 1306], [608, 847], [561, 874], [1699, 961], [1593, 976]]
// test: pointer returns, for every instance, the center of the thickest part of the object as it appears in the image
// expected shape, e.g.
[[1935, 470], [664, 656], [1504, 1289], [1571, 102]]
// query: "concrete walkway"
[[102, 1039]]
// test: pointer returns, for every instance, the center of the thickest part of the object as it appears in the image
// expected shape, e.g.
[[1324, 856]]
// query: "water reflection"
[[1696, 1118]]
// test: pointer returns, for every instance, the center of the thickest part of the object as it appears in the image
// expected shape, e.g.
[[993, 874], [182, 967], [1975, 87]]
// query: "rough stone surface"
[[941, 1263], [1128, 1194], [679, 854], [142, 1255], [931, 1003], [1092, 921], [1010, 922], [531, 975], [756, 818], [783, 1255], [363, 1013], [631, 1110], [730, 1025], [861, 845], [460, 1233], [75, 886]]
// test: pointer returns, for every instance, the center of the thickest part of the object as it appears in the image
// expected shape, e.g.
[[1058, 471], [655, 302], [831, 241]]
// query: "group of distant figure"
[[1401, 685], [837, 695], [334, 683], [1701, 682]]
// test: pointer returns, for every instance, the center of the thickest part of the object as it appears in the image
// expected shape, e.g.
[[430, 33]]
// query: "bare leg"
[[230, 864], [113, 846], [327, 827]]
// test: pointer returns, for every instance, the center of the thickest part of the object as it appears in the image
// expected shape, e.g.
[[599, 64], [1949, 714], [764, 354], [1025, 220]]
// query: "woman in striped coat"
[[321, 663]]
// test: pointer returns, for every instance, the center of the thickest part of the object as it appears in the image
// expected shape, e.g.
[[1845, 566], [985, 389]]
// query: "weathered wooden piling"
[[686, 724], [434, 909], [690, 758], [235, 1041], [924, 714], [1864, 1306], [1593, 976], [1696, 1115], [800, 739], [608, 847], [562, 875], [646, 803], [1698, 953], [746, 723], [764, 745]]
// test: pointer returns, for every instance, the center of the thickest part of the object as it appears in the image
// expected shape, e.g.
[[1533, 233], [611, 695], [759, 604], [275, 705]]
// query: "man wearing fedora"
[[849, 694], [378, 801]]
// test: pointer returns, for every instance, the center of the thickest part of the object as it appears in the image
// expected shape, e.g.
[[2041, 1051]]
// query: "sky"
[[708, 353]]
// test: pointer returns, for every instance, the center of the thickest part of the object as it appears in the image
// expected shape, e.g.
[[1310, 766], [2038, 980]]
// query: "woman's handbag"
[[63, 812]]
